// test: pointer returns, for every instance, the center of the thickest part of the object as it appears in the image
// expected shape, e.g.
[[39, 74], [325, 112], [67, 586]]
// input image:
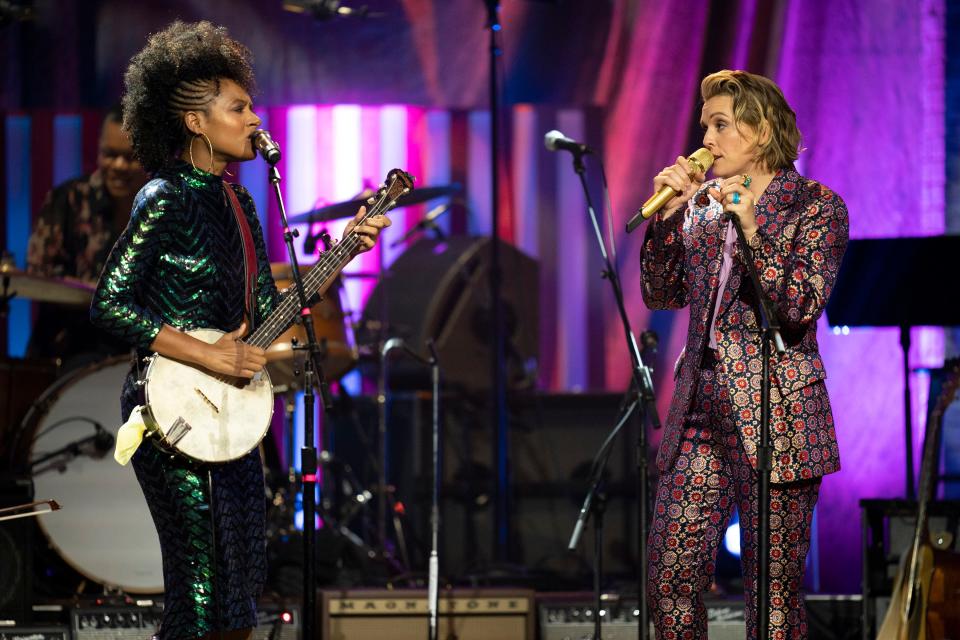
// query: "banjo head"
[[206, 416]]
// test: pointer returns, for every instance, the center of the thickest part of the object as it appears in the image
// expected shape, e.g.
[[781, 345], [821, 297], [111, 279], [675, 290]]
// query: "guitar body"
[[925, 593], [906, 618], [943, 605], [206, 416]]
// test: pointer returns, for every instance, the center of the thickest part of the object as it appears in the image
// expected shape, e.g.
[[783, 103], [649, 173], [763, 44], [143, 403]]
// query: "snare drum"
[[329, 327], [104, 530]]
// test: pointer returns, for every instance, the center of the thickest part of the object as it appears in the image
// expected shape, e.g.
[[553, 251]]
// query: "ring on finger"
[[736, 197], [747, 180]]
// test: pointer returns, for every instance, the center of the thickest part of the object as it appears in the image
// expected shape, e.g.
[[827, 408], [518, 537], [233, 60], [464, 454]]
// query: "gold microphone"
[[700, 161]]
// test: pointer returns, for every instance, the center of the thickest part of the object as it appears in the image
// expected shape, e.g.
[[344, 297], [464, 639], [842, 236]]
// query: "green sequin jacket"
[[180, 261]]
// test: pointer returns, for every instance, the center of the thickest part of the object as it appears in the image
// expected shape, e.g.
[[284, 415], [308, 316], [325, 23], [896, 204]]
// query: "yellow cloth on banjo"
[[130, 435]]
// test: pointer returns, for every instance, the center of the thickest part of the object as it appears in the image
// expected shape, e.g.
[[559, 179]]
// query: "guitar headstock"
[[397, 184]]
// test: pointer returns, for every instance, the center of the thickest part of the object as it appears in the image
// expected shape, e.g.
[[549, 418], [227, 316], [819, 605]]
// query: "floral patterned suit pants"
[[695, 498]]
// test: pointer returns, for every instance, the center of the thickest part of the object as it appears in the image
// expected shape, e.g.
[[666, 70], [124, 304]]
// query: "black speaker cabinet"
[[478, 614], [16, 553], [440, 290], [553, 438]]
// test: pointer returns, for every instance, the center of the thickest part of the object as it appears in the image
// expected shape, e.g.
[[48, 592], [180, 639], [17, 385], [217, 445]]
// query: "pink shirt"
[[725, 267]]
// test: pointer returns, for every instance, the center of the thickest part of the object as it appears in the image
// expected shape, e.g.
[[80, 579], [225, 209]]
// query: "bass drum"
[[104, 530]]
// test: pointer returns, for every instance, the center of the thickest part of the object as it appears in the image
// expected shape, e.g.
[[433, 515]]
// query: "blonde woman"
[[797, 231]]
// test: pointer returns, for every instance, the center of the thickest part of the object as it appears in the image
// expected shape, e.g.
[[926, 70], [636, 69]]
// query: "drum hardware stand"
[[6, 262], [395, 557], [312, 376], [385, 492], [639, 396], [310, 241], [386, 497]]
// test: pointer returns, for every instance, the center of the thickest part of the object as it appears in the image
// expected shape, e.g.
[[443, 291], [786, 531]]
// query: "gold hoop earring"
[[192, 163], [209, 146]]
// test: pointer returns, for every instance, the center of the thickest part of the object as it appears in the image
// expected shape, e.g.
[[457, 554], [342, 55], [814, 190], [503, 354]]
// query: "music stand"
[[897, 282]]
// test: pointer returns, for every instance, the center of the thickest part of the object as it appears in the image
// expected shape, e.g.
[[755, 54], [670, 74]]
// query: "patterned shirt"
[[73, 236], [75, 231]]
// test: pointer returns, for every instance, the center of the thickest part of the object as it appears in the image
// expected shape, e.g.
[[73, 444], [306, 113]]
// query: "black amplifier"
[[34, 633], [277, 622], [568, 617], [139, 621], [133, 621]]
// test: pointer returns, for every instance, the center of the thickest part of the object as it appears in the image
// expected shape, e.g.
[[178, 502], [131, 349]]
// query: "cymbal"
[[43, 289], [349, 208]]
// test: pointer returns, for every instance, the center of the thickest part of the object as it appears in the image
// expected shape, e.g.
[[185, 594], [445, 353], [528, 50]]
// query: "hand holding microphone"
[[675, 185]]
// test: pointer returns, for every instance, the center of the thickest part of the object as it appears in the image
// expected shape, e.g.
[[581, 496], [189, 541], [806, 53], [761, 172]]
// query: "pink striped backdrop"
[[332, 152]]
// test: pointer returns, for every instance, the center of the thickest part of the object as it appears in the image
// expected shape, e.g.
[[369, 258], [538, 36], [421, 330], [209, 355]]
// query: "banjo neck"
[[330, 263]]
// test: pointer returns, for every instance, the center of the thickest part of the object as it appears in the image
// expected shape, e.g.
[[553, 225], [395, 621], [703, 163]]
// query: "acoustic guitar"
[[926, 592]]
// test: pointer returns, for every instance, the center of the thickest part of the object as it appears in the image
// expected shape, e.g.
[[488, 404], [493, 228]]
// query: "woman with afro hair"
[[179, 265]]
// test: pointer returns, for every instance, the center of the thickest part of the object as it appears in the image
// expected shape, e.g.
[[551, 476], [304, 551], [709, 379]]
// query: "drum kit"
[[63, 441]]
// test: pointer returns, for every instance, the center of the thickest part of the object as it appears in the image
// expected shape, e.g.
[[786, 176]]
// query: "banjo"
[[211, 417]]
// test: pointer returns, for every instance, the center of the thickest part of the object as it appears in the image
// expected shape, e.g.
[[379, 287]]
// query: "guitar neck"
[[320, 274], [931, 447]]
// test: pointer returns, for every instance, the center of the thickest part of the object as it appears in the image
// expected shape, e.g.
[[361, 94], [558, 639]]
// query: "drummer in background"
[[77, 226]]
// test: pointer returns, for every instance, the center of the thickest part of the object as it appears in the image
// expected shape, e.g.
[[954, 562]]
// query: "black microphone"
[[556, 141], [427, 222], [263, 143], [326, 9], [103, 440], [390, 345]]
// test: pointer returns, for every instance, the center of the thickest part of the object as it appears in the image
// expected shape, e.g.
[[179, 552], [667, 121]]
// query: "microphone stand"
[[433, 568], [72, 448], [641, 388], [770, 333], [595, 503], [433, 579], [312, 375]]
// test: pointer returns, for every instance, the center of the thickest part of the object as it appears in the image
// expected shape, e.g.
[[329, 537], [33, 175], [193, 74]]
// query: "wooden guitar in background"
[[926, 593]]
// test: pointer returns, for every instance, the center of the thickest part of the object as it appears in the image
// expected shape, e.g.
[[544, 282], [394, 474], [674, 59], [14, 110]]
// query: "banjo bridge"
[[207, 400]]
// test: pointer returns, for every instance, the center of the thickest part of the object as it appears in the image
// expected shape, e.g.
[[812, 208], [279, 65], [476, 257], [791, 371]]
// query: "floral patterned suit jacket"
[[803, 231]]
